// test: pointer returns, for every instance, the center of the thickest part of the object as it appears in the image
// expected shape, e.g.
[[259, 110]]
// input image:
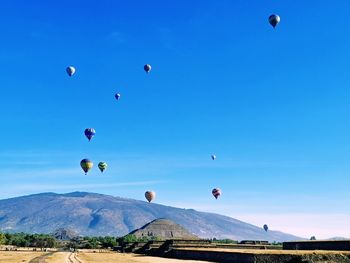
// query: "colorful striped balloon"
[[102, 166], [216, 192], [86, 165]]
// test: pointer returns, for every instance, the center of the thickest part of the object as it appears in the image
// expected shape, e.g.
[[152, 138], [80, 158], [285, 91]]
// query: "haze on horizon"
[[272, 105]]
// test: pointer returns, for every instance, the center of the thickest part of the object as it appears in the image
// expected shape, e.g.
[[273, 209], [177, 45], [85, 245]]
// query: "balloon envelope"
[[102, 166], [147, 68], [86, 165], [266, 227], [89, 133], [150, 196], [70, 71], [213, 157], [274, 20], [117, 96], [216, 192]]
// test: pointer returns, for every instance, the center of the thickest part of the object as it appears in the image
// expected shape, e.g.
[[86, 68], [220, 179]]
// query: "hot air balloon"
[[216, 192], [89, 133], [150, 196], [117, 96], [102, 166], [266, 227], [86, 165], [274, 20], [213, 157], [147, 68], [70, 71]]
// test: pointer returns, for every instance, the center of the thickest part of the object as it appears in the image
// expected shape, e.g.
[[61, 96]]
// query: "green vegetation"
[[2, 239], [28, 240], [106, 242], [48, 241]]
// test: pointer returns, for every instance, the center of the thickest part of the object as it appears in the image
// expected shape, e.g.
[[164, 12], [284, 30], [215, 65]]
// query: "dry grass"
[[18, 256], [88, 257], [268, 251], [112, 257]]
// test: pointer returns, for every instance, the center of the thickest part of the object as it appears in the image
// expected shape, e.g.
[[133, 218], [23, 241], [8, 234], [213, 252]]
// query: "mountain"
[[164, 229], [96, 214], [64, 234]]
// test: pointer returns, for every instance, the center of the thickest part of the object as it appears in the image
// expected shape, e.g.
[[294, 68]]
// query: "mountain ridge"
[[98, 214]]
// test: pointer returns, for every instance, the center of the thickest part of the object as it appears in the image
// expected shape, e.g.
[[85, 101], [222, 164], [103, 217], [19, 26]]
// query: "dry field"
[[18, 256], [81, 257], [113, 257], [88, 257]]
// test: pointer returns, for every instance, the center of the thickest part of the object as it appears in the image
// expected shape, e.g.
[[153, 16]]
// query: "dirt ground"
[[113, 257], [87, 257], [18, 256], [59, 257], [81, 257]]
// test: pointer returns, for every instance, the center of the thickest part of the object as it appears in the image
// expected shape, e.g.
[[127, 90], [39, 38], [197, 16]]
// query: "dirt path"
[[58, 257], [73, 258], [41, 258], [62, 257]]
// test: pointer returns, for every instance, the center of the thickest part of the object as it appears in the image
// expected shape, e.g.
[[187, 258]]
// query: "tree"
[[313, 238], [19, 240], [51, 242], [107, 242], [129, 238], [3, 239]]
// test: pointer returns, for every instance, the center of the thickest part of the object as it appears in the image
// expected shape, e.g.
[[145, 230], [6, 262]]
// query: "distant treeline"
[[28, 240], [48, 241], [106, 242]]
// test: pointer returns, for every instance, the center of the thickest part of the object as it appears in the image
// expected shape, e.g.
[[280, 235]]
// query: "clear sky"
[[273, 105]]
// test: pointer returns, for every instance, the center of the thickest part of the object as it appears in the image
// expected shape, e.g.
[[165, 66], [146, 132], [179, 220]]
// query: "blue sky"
[[273, 105]]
